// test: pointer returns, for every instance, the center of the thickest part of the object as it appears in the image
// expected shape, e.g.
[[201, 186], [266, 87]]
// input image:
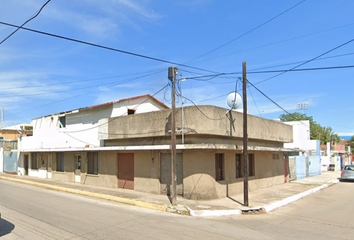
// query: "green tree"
[[317, 131], [336, 138], [350, 143], [295, 117]]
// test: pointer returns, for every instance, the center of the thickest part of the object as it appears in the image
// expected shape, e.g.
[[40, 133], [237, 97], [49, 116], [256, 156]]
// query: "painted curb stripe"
[[91, 194]]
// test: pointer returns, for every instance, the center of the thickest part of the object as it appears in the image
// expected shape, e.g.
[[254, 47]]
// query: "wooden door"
[[126, 170]]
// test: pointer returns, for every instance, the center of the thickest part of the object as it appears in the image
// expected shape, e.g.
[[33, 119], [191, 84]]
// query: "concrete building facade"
[[133, 152]]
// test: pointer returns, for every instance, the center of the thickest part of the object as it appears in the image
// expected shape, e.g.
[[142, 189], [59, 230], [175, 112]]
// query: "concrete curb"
[[214, 213], [267, 209], [91, 194], [291, 199], [180, 209]]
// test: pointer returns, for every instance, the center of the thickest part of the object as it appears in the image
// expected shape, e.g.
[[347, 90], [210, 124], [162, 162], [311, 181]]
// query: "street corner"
[[178, 209]]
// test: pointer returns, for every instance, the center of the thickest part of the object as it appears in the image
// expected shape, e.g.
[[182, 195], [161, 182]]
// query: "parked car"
[[347, 173]]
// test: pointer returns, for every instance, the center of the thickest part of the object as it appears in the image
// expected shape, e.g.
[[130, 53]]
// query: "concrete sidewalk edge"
[[91, 194], [267, 209], [291, 199], [179, 209]]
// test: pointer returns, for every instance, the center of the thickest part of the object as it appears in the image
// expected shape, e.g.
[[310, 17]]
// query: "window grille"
[[219, 167], [239, 166]]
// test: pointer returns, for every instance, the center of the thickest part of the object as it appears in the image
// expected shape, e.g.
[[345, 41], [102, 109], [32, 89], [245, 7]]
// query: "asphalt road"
[[30, 212]]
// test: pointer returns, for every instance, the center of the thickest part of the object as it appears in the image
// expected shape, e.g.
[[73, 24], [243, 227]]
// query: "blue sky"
[[41, 75]]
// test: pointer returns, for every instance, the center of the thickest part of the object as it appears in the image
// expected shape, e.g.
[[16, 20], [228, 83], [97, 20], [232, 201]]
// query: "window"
[[92, 163], [275, 156], [131, 111], [60, 162], [240, 165], [62, 122], [219, 167], [34, 163]]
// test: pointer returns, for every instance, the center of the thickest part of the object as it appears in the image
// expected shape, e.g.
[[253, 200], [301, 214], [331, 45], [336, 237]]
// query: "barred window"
[[219, 167], [239, 166]]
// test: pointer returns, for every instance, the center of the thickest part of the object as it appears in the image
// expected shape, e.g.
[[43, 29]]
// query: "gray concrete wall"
[[68, 174], [213, 122], [107, 171], [199, 174]]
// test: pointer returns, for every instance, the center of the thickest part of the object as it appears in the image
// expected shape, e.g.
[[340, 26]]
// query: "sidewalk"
[[261, 200]]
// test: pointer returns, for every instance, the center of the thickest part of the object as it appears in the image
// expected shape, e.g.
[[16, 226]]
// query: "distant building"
[[14, 132]]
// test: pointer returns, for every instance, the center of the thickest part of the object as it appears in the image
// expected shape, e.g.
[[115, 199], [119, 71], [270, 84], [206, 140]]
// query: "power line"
[[61, 100], [77, 81], [104, 47], [214, 119], [244, 34], [274, 43], [300, 70], [114, 118], [286, 64], [312, 59], [31, 18], [271, 71], [115, 83], [268, 97]]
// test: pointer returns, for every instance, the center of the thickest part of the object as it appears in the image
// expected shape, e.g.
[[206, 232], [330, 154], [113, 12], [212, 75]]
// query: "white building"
[[302, 140], [74, 130]]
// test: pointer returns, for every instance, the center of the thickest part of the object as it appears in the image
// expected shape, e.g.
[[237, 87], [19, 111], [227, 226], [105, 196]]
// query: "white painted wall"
[[301, 136], [141, 105], [1, 159], [81, 125]]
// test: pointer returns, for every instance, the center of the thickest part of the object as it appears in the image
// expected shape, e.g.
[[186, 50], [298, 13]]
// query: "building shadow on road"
[[5, 227]]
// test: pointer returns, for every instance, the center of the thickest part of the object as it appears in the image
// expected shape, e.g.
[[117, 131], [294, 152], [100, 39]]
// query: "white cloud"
[[346, 134], [107, 18]]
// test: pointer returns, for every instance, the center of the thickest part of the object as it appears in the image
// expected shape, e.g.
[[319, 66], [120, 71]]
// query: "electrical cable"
[[31, 18], [244, 34], [104, 47], [76, 96], [263, 120], [77, 81], [114, 118], [274, 43], [214, 119], [312, 59], [271, 71], [115, 83]]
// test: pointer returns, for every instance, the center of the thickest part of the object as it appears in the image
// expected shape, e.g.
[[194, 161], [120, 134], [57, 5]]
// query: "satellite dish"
[[234, 100]]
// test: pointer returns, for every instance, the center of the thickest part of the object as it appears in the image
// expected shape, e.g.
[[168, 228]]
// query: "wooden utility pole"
[[172, 72], [245, 137]]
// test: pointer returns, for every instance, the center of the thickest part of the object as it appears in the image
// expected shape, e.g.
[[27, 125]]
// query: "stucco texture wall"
[[107, 171], [199, 174], [146, 171], [68, 174]]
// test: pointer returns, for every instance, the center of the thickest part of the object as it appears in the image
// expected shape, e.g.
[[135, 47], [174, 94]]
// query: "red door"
[[126, 170]]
